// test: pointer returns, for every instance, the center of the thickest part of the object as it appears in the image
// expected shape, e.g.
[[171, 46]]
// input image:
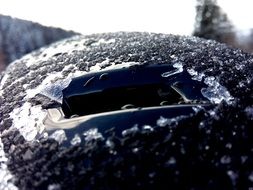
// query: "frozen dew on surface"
[[178, 69], [92, 134], [59, 136], [215, 92], [28, 120], [53, 84], [76, 140]]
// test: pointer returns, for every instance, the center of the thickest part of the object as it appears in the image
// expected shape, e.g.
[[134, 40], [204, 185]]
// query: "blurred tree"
[[19, 37], [212, 23]]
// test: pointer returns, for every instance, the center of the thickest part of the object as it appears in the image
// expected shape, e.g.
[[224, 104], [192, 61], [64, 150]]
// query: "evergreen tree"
[[211, 22]]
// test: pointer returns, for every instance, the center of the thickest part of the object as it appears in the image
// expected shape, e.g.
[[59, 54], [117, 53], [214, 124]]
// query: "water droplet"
[[59, 135], [76, 140], [178, 69]]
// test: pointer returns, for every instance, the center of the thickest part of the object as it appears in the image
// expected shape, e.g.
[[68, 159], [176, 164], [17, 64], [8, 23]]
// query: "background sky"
[[95, 16]]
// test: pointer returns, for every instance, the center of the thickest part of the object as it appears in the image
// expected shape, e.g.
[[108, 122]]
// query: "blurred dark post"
[[212, 23]]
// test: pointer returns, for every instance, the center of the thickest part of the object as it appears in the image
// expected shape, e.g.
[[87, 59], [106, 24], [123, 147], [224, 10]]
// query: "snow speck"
[[54, 187], [76, 140], [225, 159], [92, 134], [28, 120], [59, 135], [215, 92], [251, 177], [178, 69], [249, 112], [162, 122], [6, 179]]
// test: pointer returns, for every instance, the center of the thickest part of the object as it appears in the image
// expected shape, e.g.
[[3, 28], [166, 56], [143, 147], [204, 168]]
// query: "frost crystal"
[[59, 136], [195, 75], [162, 122], [215, 92], [92, 134], [178, 69], [76, 140]]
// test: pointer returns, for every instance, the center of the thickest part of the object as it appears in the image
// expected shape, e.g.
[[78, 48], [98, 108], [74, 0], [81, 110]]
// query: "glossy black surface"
[[136, 86]]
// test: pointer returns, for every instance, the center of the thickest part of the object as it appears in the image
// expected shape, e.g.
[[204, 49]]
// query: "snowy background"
[[95, 16], [226, 21]]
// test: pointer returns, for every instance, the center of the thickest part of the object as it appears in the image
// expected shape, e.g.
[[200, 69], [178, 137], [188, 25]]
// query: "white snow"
[[28, 120]]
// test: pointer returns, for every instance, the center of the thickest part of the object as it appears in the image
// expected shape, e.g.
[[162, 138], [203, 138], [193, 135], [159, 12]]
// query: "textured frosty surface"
[[209, 149]]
